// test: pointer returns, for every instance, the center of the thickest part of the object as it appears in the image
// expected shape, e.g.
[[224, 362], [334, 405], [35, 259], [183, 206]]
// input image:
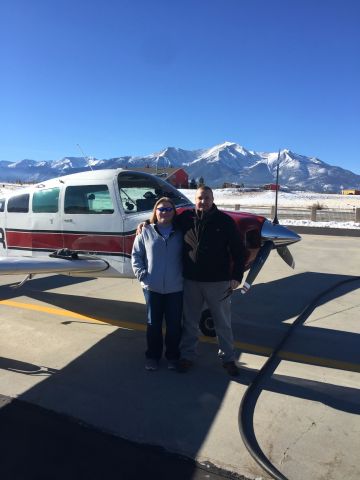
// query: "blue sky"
[[131, 77]]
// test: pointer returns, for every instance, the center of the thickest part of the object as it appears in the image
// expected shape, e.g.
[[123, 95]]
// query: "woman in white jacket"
[[157, 264]]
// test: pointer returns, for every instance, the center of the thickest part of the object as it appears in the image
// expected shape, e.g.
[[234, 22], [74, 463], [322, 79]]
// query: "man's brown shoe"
[[231, 368], [184, 365]]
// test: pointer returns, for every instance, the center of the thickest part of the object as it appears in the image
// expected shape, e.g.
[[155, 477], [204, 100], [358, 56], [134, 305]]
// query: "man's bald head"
[[204, 198]]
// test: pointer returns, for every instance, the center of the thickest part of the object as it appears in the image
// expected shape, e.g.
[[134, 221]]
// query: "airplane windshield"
[[139, 192]]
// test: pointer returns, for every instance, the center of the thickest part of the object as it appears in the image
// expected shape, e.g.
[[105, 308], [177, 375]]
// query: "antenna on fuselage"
[[85, 156], [276, 220]]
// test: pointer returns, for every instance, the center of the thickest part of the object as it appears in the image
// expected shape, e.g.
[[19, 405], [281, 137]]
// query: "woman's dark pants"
[[161, 306]]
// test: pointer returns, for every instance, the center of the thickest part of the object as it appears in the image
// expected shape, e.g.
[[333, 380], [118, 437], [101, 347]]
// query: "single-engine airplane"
[[84, 224]]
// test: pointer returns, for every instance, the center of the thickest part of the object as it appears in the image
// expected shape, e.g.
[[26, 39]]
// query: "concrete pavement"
[[75, 346]]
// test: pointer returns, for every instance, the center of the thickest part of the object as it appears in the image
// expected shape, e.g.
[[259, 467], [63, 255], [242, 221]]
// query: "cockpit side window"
[[139, 192], [88, 199], [19, 203]]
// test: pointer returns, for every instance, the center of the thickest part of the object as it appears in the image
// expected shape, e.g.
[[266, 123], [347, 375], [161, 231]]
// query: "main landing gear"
[[206, 324]]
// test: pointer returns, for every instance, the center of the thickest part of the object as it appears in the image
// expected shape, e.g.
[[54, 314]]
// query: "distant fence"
[[313, 214]]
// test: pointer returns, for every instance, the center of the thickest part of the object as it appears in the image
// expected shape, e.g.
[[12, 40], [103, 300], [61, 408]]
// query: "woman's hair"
[[153, 218]]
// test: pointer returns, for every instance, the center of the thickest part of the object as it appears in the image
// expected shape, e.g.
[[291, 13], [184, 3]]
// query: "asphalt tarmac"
[[77, 402], [39, 444]]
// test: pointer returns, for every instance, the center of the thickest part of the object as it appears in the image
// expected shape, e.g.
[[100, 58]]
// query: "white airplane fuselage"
[[94, 212]]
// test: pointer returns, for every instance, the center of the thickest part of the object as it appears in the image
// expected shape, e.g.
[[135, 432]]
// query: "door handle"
[[68, 220]]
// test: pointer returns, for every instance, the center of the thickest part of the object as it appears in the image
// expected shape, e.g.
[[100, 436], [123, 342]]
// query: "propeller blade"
[[257, 265], [285, 254]]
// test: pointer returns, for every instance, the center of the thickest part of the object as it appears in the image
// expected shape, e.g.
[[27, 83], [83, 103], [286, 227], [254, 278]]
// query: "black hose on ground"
[[248, 402]]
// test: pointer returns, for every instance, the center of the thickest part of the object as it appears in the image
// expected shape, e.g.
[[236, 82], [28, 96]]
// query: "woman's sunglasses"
[[164, 209]]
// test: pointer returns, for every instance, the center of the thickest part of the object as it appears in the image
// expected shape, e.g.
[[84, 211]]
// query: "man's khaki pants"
[[211, 293]]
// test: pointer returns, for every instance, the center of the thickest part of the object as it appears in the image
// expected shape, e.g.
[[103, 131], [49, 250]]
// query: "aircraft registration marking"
[[246, 347]]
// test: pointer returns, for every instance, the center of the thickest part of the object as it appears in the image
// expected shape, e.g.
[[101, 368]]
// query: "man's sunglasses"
[[165, 209]]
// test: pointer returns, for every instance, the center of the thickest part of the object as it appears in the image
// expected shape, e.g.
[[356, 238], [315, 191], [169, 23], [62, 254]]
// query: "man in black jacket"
[[213, 267]]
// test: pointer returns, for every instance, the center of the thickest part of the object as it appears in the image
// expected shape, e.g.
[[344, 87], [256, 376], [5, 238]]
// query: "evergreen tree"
[[192, 183]]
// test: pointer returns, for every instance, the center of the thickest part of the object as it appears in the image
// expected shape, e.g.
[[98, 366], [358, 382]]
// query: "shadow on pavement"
[[106, 387], [39, 444], [25, 367]]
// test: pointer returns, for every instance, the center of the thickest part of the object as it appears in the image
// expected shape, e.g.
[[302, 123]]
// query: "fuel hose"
[[248, 402]]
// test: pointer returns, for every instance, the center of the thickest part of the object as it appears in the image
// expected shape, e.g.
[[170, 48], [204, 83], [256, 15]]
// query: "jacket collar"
[[205, 216]]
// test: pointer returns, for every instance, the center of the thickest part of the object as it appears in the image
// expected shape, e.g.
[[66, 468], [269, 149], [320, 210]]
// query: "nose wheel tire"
[[206, 324]]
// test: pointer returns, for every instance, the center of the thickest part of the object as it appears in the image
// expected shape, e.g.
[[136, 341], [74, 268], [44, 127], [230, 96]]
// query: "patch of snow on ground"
[[266, 198], [6, 188], [309, 223]]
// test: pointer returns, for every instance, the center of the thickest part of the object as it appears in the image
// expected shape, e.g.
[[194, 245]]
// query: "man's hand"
[[234, 284]]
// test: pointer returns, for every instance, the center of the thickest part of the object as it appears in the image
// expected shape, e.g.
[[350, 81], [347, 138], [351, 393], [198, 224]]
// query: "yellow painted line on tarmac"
[[319, 361], [291, 356], [245, 347], [70, 314]]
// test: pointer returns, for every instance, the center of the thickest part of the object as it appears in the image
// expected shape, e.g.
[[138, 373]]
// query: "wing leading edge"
[[25, 265]]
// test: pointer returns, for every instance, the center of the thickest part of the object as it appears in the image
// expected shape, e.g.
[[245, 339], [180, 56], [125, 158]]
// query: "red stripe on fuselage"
[[33, 240], [89, 242]]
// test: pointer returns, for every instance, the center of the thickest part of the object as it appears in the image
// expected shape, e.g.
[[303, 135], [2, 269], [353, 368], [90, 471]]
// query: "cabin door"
[[46, 220], [92, 223]]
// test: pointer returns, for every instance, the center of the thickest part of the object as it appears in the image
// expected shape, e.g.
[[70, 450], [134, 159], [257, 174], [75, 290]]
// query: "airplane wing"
[[55, 264]]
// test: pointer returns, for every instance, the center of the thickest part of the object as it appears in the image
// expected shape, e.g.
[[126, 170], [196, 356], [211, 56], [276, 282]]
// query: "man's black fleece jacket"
[[213, 249]]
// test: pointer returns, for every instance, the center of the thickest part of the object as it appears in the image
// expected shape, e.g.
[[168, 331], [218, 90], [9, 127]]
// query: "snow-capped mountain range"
[[227, 162]]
